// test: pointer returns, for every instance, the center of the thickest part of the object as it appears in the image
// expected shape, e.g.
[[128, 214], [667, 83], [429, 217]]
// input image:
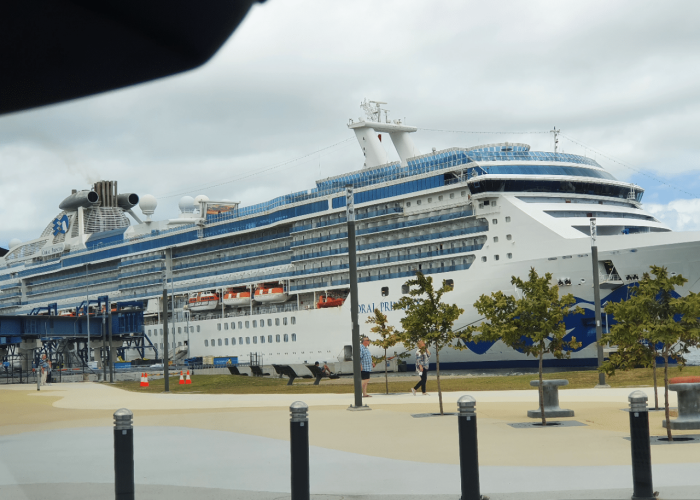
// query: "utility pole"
[[164, 303], [87, 311], [596, 301], [111, 346], [352, 260]]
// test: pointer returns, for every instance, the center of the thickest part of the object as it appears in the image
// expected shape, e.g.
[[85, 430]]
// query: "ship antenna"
[[555, 131]]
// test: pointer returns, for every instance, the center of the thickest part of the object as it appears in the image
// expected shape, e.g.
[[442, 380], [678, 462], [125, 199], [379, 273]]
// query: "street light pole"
[[352, 260], [596, 301]]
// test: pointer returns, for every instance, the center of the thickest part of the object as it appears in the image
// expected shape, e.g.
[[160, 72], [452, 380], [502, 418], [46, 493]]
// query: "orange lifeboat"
[[324, 301], [204, 301], [237, 298], [67, 313], [270, 294]]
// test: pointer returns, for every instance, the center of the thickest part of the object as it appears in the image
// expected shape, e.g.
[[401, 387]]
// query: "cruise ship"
[[271, 280]]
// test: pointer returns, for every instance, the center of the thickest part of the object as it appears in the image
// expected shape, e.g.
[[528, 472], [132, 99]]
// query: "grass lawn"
[[230, 384]]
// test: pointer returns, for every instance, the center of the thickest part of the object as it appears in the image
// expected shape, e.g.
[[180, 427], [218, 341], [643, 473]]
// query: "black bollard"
[[468, 449], [123, 455], [641, 447], [299, 445]]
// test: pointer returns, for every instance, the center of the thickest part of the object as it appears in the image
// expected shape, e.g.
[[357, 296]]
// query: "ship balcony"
[[611, 280]]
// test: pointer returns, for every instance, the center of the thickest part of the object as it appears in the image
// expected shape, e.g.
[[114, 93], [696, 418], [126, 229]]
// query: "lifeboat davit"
[[324, 301], [270, 294], [235, 298], [205, 301]]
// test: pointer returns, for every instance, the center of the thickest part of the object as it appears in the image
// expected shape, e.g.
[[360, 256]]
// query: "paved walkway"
[[58, 444]]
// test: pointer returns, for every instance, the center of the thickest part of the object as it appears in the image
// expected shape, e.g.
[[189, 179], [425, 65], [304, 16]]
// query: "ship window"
[[226, 341], [483, 259], [247, 324], [218, 327], [294, 320], [552, 258], [233, 340], [486, 203], [255, 340], [277, 338], [197, 327], [509, 237], [493, 203], [286, 337], [463, 193], [385, 291], [508, 219], [452, 195], [262, 339], [404, 289], [225, 326], [284, 321], [269, 322], [192, 329], [450, 283], [277, 322], [206, 343], [219, 341], [179, 329], [495, 239], [161, 331], [233, 325], [294, 337], [240, 340], [481, 205], [495, 221], [240, 325], [430, 200], [418, 202], [440, 198], [262, 323], [496, 257], [269, 339], [213, 342], [149, 332], [408, 203]]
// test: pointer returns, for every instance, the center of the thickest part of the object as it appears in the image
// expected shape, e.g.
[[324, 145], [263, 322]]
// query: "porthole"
[[508, 219], [408, 203], [277, 322], [247, 340], [294, 337], [286, 337], [509, 237], [226, 341], [483, 259], [495, 221], [418, 202], [510, 255], [496, 257], [495, 239], [404, 289], [206, 343], [385, 291], [277, 338]]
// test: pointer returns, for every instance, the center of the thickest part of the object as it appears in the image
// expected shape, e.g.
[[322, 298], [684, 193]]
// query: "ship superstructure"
[[272, 279]]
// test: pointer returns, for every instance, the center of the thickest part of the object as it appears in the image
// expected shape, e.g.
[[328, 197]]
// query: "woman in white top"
[[422, 365]]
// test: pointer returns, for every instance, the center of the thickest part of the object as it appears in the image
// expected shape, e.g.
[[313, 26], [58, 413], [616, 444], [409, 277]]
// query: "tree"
[[428, 319], [388, 337], [532, 324], [654, 320]]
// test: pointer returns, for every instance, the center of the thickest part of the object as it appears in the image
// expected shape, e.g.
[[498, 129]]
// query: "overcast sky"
[[620, 77]]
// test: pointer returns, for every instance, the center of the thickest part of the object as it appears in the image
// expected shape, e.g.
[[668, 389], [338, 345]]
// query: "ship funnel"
[[127, 200], [80, 199]]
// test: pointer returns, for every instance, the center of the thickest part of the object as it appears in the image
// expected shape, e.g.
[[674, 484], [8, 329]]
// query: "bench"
[[286, 370], [688, 389], [318, 373], [240, 370], [550, 392], [258, 371]]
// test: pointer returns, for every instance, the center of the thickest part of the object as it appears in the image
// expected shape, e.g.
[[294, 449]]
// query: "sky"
[[268, 114]]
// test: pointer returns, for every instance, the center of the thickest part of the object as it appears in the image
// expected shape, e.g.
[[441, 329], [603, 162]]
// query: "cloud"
[[679, 215]]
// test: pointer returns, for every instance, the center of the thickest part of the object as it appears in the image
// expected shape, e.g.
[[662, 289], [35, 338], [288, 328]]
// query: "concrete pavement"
[[236, 446]]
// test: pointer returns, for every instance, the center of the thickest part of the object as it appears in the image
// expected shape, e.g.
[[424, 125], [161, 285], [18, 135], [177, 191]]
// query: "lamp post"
[[352, 261], [596, 300]]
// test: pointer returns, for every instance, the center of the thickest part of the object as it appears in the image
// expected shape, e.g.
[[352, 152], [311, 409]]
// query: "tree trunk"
[[656, 385], [668, 412], [437, 371], [541, 391], [386, 375]]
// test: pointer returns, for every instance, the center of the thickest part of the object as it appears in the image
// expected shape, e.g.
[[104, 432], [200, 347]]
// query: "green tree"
[[533, 323], [427, 318], [653, 320], [388, 338]]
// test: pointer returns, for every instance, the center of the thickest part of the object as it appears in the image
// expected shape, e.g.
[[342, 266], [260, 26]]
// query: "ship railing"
[[612, 277]]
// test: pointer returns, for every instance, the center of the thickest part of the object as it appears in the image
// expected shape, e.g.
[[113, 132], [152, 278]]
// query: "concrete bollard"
[[299, 446], [641, 447], [123, 455], [468, 448], [688, 406], [550, 392]]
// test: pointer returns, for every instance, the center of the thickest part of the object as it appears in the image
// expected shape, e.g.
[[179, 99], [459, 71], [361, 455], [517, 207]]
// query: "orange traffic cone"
[[182, 380], [188, 380], [145, 380]]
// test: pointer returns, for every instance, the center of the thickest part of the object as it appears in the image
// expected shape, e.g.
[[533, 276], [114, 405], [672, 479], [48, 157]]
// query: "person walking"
[[422, 365], [367, 365], [45, 367]]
